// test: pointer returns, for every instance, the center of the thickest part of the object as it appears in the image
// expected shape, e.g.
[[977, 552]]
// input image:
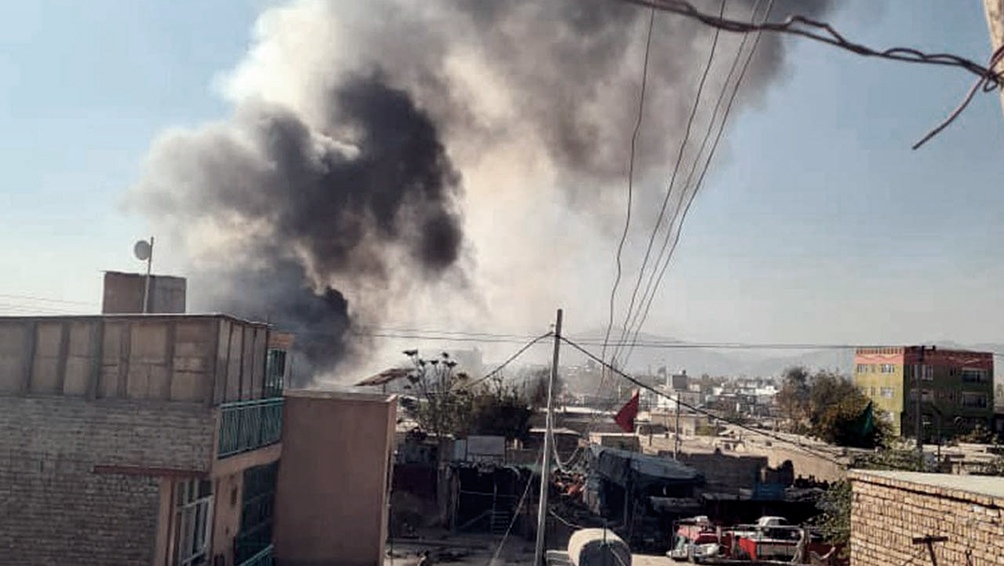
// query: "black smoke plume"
[[334, 191], [308, 209]]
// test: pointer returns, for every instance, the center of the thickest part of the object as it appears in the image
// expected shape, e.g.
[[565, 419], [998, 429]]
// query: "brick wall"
[[55, 510], [889, 509]]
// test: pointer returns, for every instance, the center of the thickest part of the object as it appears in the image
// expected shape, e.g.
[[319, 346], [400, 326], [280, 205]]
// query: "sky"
[[818, 223]]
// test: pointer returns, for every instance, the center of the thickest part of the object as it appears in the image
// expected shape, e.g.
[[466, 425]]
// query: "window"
[[927, 372], [275, 372], [193, 523], [974, 400], [887, 392], [861, 368], [974, 375], [927, 395], [887, 368]]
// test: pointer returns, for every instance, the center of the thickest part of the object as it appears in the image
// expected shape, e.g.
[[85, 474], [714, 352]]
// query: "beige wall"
[[889, 509], [331, 500], [207, 359]]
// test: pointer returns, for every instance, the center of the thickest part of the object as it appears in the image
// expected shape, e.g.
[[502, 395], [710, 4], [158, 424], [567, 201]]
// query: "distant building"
[[956, 387]]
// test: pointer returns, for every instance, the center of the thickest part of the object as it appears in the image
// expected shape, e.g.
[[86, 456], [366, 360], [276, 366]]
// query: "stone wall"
[[56, 507], [890, 509]]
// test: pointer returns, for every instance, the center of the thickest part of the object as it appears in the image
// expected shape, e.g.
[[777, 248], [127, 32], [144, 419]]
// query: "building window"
[[927, 395], [193, 523], [974, 400], [275, 372], [927, 373], [887, 368], [887, 392], [861, 368], [974, 375]]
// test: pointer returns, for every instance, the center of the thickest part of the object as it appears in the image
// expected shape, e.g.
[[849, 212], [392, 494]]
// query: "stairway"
[[498, 521]]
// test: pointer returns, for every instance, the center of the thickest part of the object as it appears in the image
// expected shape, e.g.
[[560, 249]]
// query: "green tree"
[[793, 397], [834, 519]]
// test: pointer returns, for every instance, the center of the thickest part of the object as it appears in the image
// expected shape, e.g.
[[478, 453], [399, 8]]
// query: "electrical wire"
[[672, 179], [825, 33], [46, 300], [699, 410], [515, 515], [681, 218], [509, 360], [630, 182]]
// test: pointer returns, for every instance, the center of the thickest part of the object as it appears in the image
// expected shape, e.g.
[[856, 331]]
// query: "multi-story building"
[[139, 439], [956, 387]]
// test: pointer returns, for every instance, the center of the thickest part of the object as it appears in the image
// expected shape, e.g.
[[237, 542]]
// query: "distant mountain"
[[656, 351]]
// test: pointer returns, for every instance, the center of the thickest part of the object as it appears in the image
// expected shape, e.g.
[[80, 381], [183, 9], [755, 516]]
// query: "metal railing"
[[263, 558], [249, 425]]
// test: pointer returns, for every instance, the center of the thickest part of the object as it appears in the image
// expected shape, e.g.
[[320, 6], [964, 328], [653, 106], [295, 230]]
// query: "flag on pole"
[[625, 417]]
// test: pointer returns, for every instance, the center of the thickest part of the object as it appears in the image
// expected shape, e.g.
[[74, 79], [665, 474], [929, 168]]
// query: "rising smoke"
[[333, 197]]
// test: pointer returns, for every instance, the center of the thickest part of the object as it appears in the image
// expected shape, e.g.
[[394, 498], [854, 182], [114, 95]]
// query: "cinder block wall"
[[888, 513], [54, 509]]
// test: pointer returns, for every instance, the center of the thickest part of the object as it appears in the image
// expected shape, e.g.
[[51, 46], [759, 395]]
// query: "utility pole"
[[676, 435], [545, 470]]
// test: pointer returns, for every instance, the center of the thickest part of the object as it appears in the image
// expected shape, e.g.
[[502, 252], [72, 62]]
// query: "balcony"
[[249, 425], [262, 558]]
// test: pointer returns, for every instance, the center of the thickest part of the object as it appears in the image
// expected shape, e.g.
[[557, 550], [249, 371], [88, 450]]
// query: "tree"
[[834, 505], [448, 403], [443, 404], [793, 398]]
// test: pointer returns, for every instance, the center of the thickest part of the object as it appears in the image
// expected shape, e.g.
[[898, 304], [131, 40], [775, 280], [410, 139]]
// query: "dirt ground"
[[445, 548]]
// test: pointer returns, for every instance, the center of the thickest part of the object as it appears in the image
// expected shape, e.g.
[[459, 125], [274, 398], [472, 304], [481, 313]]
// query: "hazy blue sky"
[[819, 225]]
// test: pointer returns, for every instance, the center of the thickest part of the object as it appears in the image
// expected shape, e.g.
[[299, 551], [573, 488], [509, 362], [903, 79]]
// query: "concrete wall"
[[889, 509], [123, 293], [331, 500], [209, 359], [76, 476]]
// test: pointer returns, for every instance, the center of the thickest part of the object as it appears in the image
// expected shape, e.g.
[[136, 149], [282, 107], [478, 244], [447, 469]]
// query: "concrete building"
[[124, 294], [900, 517], [956, 387], [334, 479], [138, 439]]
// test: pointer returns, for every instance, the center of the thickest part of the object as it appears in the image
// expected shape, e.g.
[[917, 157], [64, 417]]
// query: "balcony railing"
[[249, 425], [263, 558]]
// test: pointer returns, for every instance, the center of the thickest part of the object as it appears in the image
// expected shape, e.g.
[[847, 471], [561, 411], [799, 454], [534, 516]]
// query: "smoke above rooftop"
[[430, 163]]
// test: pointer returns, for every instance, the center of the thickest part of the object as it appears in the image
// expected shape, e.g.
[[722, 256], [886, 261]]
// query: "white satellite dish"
[[142, 250]]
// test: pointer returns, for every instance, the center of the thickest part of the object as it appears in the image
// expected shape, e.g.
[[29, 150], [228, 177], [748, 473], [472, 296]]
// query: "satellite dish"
[[142, 250]]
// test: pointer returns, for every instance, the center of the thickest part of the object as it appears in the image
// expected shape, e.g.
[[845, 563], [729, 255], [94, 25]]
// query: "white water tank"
[[598, 547]]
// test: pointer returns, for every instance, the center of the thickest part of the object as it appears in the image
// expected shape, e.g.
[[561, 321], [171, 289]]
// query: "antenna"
[[143, 250]]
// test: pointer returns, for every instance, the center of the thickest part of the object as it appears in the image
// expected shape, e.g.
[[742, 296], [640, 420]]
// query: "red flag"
[[625, 417]]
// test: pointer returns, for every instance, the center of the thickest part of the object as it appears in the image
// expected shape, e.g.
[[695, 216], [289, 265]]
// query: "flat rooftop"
[[986, 486]]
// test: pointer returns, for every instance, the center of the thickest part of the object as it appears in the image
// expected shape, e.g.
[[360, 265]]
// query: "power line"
[[672, 180], [630, 181], [510, 359], [989, 80], [675, 235], [699, 410], [825, 33], [46, 300], [515, 515]]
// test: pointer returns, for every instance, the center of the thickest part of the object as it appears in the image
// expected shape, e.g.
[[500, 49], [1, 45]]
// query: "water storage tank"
[[598, 547]]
